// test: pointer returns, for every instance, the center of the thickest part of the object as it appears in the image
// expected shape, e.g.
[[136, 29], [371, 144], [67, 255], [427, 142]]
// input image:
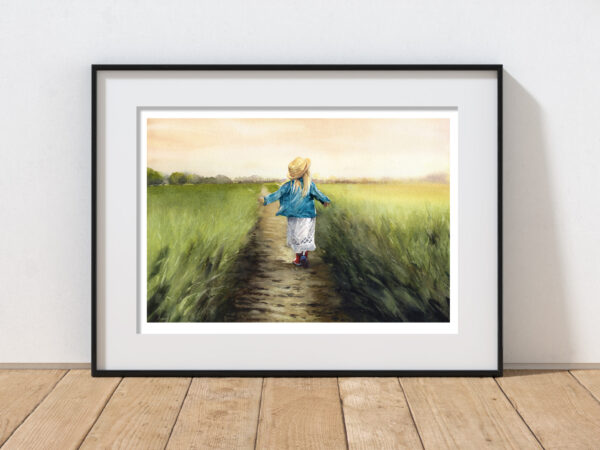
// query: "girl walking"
[[296, 202]]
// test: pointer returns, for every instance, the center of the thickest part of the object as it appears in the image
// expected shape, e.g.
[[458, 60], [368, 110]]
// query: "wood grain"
[[590, 379], [376, 414], [561, 412], [43, 410], [65, 416], [140, 414], [465, 413], [218, 413], [301, 413], [20, 392]]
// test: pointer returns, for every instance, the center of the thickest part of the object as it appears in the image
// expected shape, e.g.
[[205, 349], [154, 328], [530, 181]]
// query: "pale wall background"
[[550, 50]]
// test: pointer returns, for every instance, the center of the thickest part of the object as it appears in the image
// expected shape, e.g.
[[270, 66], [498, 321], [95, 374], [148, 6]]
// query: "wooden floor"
[[69, 409]]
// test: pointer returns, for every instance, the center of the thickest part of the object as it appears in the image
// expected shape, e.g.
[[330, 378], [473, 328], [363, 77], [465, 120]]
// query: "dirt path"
[[278, 291]]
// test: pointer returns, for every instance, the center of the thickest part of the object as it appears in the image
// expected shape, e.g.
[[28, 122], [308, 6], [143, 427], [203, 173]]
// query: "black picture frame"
[[96, 372]]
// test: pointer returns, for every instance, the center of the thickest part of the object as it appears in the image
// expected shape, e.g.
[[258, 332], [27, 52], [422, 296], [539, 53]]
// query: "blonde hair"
[[300, 168]]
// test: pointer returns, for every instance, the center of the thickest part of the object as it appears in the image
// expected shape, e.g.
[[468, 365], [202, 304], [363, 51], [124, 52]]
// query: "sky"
[[342, 148]]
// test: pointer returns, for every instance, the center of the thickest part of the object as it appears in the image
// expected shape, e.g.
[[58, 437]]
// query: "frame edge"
[[95, 372]]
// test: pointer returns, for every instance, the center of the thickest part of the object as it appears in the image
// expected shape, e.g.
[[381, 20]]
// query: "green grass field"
[[389, 249], [195, 236], [387, 246]]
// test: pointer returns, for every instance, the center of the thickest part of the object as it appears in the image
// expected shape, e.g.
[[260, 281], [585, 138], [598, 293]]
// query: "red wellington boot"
[[297, 262]]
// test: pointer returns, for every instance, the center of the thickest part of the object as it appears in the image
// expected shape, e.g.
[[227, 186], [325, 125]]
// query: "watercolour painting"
[[297, 217]]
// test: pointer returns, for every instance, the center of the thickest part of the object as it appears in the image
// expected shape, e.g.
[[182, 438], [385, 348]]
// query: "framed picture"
[[296, 220]]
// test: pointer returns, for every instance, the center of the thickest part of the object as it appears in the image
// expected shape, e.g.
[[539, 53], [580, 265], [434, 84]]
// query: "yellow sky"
[[349, 148]]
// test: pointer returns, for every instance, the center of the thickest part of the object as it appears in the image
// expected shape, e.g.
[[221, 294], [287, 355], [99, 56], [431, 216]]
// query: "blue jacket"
[[291, 202]]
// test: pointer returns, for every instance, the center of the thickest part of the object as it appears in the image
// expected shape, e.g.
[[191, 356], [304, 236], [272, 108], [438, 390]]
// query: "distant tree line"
[[155, 178]]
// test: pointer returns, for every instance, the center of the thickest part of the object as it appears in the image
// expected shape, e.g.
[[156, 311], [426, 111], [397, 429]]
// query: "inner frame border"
[[143, 113]]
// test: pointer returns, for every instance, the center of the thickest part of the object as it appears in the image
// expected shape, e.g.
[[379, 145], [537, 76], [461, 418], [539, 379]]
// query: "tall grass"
[[389, 247], [272, 187], [195, 236]]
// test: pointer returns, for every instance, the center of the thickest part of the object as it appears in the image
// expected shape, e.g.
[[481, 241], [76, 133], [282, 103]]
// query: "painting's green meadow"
[[195, 236], [387, 246]]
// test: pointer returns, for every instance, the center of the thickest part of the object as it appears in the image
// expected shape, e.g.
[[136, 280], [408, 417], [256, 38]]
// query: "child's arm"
[[274, 196], [317, 194]]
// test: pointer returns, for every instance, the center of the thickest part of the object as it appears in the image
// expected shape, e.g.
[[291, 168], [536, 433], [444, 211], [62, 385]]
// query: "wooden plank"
[[218, 413], [590, 380], [20, 392], [560, 411], [376, 414], [140, 414], [300, 413], [65, 416], [466, 413]]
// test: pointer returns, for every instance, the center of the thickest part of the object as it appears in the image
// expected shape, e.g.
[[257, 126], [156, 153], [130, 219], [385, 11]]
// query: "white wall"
[[550, 50]]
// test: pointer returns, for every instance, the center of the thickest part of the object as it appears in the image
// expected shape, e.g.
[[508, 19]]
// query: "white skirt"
[[301, 234]]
